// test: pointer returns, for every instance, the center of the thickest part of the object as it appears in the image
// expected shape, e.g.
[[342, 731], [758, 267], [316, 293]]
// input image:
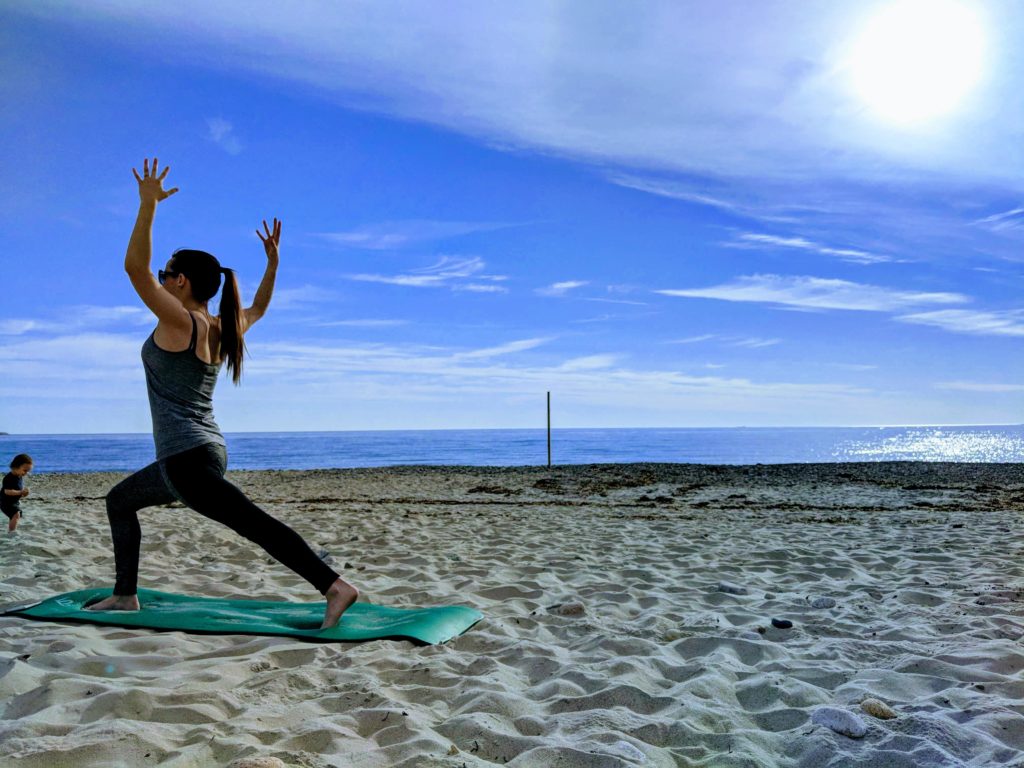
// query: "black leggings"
[[196, 477]]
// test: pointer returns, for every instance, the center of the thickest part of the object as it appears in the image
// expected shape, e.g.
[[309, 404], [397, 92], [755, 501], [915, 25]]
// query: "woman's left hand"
[[272, 240]]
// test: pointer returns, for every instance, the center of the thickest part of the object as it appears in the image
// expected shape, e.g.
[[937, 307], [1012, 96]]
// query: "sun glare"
[[916, 59]]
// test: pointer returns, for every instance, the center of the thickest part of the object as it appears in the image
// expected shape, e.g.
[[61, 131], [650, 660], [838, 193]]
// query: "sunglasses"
[[162, 275]]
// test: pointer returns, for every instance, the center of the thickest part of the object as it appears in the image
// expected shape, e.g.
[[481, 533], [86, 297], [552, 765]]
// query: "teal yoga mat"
[[162, 610]]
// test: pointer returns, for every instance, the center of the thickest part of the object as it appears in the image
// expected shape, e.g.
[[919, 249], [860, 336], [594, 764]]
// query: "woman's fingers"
[[155, 161], [164, 174], [145, 168], [171, 191], [272, 235], [136, 174]]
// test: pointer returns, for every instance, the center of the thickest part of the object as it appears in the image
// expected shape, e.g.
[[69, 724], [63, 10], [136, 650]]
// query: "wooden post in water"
[[549, 429]]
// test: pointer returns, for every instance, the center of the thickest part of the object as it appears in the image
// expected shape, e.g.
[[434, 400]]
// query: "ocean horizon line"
[[528, 429]]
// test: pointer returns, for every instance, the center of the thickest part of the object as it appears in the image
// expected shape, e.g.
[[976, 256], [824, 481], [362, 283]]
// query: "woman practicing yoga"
[[182, 358]]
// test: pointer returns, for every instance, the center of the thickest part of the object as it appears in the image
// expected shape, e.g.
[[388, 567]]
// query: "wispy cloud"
[[392, 235], [850, 220], [79, 318], [694, 339], [754, 240], [221, 133], [1009, 323], [16, 327], [855, 366], [446, 273], [973, 386], [301, 296], [480, 288], [608, 317], [1001, 222], [690, 191], [77, 357], [679, 191], [365, 323], [775, 102], [592, 376], [614, 301], [750, 342], [325, 377], [816, 293], [589, 363], [756, 343], [561, 289], [504, 349]]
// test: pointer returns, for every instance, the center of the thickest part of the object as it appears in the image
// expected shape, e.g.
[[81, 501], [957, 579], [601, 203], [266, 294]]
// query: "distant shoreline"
[[932, 473]]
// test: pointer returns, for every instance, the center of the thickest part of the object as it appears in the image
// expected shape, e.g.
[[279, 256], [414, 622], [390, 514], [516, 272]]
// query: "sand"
[[607, 638]]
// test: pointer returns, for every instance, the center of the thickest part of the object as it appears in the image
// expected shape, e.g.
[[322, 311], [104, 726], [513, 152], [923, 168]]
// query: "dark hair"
[[203, 272], [21, 458]]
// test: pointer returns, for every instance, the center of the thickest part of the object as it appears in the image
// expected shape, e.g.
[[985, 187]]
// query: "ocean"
[[519, 447]]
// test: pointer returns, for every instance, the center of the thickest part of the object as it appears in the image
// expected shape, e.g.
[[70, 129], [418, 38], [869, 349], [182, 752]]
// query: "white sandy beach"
[[606, 641]]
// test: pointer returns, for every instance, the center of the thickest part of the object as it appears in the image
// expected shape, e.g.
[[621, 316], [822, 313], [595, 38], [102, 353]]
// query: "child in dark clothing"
[[14, 489]]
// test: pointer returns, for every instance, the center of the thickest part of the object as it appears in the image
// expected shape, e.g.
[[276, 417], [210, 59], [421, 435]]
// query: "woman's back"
[[180, 387]]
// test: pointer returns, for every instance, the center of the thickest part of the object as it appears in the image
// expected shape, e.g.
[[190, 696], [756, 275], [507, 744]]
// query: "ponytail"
[[232, 346]]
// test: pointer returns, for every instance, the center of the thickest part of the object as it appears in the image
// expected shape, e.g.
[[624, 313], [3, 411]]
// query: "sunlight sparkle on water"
[[938, 445]]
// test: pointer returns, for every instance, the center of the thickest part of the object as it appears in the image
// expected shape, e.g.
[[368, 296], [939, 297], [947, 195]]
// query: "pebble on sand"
[[840, 721], [732, 589], [878, 709], [257, 762], [823, 602], [782, 623], [567, 609]]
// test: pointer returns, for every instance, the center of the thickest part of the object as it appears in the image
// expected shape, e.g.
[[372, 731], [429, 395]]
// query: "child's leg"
[[13, 524]]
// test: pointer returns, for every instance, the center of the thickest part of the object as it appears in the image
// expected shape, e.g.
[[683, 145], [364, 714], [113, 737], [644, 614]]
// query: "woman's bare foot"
[[339, 597], [116, 603]]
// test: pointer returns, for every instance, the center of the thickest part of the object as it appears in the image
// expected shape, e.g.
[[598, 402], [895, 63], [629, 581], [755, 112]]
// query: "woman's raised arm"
[[140, 249], [261, 301]]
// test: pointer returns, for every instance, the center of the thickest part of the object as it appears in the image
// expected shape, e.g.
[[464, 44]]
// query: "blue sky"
[[667, 214]]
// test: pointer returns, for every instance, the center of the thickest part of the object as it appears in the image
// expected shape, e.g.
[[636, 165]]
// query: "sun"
[[915, 60]]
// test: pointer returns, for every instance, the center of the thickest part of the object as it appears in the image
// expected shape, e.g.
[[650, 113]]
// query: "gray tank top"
[[180, 389]]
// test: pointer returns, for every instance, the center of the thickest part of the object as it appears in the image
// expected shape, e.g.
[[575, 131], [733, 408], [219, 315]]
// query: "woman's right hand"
[[151, 186]]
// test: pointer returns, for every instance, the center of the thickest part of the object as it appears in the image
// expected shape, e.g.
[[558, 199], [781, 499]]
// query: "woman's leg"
[[198, 478], [145, 488]]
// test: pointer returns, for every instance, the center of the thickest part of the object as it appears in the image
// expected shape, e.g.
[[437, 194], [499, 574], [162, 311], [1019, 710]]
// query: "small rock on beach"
[[567, 609], [257, 762], [878, 709], [840, 721], [823, 602]]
